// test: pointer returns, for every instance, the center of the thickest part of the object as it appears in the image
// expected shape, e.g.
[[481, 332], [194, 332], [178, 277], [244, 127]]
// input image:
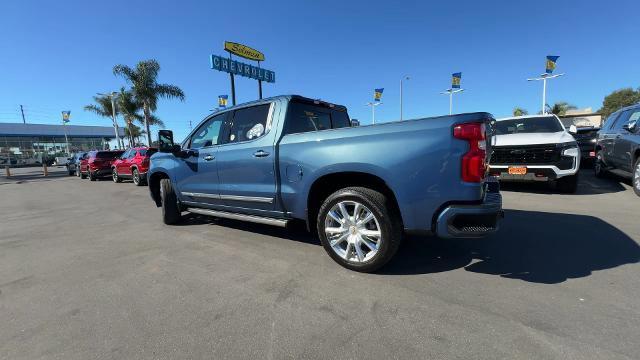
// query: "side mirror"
[[630, 127], [573, 129], [165, 141], [355, 122]]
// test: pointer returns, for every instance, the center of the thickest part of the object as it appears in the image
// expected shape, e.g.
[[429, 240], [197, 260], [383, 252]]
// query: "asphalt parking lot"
[[88, 271]]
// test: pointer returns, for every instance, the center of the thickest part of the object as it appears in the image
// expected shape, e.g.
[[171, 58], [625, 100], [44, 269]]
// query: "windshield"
[[544, 124]]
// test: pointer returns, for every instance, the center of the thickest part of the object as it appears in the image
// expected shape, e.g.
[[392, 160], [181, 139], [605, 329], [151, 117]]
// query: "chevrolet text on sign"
[[239, 68]]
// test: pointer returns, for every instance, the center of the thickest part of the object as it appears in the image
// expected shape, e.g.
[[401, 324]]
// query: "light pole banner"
[[551, 63], [66, 115], [222, 101], [377, 94], [455, 80]]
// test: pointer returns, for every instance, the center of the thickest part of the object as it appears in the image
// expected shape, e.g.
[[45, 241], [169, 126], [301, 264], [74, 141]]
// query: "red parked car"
[[98, 164], [133, 164]]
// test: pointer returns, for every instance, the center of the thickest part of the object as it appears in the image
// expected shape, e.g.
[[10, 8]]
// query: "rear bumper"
[[101, 172], [472, 220]]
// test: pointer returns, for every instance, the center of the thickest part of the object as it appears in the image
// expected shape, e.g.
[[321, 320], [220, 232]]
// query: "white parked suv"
[[535, 148]]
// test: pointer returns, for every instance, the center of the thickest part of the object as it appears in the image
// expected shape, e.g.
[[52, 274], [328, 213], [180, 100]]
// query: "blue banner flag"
[[455, 80], [222, 100], [66, 115], [551, 63], [377, 94]]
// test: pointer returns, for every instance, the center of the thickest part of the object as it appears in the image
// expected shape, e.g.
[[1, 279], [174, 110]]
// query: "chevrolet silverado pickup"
[[288, 158]]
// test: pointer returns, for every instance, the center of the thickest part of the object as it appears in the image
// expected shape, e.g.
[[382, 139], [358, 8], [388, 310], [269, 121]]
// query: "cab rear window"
[[305, 117]]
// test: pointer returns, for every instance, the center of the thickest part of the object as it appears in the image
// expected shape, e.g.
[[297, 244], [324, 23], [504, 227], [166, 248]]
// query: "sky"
[[57, 54]]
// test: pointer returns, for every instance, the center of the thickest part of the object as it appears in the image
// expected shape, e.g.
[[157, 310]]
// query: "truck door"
[[625, 139], [197, 176], [246, 161]]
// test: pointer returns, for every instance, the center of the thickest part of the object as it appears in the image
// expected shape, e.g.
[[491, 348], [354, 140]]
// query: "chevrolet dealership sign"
[[239, 68]]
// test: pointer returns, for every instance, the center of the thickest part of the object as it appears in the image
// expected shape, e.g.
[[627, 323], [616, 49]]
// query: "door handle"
[[260, 153], [209, 158]]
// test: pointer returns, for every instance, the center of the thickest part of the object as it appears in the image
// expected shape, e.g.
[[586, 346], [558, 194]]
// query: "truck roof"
[[286, 97], [526, 117]]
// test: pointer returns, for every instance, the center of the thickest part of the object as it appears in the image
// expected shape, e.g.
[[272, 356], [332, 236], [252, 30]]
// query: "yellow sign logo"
[[244, 51]]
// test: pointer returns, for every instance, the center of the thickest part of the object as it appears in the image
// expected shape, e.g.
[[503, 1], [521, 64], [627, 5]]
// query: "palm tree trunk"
[[147, 115]]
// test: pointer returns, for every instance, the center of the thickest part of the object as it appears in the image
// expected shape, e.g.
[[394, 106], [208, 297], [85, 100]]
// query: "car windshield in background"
[[108, 154], [528, 125]]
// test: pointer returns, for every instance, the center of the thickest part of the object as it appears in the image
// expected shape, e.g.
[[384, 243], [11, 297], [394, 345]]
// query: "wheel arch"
[[327, 184], [154, 185]]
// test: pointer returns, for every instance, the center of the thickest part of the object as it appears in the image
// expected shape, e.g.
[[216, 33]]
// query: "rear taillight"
[[473, 162]]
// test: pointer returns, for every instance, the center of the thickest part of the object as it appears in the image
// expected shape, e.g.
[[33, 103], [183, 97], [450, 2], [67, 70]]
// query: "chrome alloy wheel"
[[636, 176], [353, 231]]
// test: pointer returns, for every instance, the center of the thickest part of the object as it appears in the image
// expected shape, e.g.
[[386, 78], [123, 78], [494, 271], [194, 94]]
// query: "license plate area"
[[517, 170]]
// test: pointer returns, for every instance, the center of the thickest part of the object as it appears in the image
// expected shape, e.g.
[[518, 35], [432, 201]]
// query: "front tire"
[[568, 184], [359, 229], [115, 177], [171, 213], [635, 181]]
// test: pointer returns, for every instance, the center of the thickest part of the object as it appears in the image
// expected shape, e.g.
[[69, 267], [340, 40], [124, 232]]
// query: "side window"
[[633, 118], [248, 123], [208, 133], [125, 155], [622, 120], [611, 120], [132, 154]]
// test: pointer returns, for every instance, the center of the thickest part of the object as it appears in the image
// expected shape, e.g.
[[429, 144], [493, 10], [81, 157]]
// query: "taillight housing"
[[473, 162]]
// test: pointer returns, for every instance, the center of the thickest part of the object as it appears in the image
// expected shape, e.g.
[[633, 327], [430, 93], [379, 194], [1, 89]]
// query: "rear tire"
[[599, 166], [353, 242], [137, 180], [171, 213], [568, 184], [635, 180]]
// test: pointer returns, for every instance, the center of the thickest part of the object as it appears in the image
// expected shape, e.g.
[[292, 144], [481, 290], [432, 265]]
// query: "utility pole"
[[22, 111]]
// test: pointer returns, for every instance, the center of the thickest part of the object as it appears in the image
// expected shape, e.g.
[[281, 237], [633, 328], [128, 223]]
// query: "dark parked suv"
[[618, 146]]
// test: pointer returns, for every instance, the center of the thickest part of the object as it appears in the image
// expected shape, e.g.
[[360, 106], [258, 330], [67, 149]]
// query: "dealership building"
[[27, 144]]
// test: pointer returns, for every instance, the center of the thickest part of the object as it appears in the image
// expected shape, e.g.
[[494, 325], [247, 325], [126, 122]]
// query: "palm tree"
[[518, 111], [146, 89], [133, 132], [560, 108], [102, 107], [129, 108]]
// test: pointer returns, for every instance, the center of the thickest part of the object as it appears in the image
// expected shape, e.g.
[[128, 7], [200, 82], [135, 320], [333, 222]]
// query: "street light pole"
[[403, 78], [450, 92], [544, 78], [373, 110]]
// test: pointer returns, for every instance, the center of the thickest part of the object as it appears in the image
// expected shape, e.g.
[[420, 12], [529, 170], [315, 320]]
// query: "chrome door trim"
[[257, 199], [243, 217], [247, 198], [200, 195]]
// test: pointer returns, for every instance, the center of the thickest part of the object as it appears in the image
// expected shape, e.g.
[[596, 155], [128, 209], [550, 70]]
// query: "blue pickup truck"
[[361, 188]]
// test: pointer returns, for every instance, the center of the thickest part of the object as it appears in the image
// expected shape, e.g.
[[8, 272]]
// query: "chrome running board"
[[242, 217]]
